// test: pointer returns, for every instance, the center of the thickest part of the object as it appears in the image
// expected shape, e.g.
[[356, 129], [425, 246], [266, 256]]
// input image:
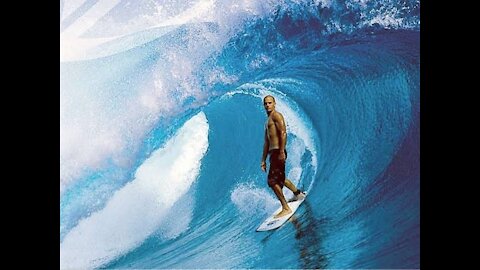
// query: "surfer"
[[275, 142]]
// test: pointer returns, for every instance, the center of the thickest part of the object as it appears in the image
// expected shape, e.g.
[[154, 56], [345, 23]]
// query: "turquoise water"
[[162, 134]]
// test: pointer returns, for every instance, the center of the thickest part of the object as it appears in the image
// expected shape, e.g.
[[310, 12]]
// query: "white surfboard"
[[272, 223]]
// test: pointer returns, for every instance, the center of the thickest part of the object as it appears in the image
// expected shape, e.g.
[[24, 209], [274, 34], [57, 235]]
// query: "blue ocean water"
[[162, 133]]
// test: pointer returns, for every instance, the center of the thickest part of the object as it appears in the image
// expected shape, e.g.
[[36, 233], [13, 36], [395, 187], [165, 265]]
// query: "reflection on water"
[[308, 236]]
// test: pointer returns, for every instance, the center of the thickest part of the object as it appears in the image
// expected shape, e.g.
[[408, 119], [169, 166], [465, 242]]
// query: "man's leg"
[[297, 193], [290, 185], [285, 209]]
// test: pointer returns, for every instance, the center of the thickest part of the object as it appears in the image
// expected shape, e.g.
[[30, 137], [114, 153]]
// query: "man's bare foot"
[[283, 213]]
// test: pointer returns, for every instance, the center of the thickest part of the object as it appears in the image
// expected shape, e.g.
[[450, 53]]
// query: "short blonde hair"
[[269, 96]]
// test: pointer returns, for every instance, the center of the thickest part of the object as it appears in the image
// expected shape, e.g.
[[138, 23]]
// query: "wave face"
[[162, 132]]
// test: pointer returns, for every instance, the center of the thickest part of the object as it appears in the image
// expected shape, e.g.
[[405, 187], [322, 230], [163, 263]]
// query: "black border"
[[34, 137]]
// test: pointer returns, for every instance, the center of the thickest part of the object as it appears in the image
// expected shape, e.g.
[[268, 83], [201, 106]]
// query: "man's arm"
[[282, 133], [266, 145]]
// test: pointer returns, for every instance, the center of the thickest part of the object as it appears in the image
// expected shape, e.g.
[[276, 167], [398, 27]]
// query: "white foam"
[[388, 20], [135, 211], [251, 200], [101, 126], [294, 160], [228, 15], [97, 127], [75, 48], [173, 224]]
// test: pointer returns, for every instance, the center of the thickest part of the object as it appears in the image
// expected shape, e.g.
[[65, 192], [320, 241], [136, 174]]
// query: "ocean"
[[162, 130]]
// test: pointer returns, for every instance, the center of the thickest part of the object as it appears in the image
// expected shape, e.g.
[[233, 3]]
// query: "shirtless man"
[[275, 141]]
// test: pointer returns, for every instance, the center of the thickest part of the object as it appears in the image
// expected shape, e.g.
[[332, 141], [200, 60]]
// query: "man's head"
[[269, 104]]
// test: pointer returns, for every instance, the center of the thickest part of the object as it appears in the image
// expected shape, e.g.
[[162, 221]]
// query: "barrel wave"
[[162, 127]]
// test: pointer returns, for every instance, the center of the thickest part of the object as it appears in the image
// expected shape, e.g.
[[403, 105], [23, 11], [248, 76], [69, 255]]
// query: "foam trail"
[[296, 151], [250, 199], [136, 211]]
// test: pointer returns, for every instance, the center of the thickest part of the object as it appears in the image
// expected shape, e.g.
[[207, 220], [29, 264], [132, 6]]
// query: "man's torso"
[[272, 133]]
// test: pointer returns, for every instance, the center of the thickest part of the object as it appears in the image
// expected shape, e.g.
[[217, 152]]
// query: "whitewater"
[[161, 133]]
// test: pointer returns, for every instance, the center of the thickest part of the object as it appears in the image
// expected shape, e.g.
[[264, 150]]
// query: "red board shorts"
[[276, 173]]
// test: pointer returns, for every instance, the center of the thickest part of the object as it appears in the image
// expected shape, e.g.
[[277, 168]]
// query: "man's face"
[[269, 104]]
